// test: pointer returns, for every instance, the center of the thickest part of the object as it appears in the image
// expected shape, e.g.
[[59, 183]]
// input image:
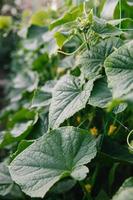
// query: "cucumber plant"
[[66, 132]]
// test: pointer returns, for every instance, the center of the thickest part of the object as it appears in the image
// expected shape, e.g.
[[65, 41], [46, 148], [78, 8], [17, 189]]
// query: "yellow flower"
[[60, 70], [78, 119], [88, 187], [112, 129], [94, 131]]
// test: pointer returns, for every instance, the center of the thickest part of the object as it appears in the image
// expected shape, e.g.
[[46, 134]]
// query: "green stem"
[[85, 38], [69, 54], [126, 128], [84, 4], [95, 174], [82, 122]]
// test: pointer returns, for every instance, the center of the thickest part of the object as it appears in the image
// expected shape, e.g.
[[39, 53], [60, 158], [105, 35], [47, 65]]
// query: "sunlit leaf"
[[61, 153]]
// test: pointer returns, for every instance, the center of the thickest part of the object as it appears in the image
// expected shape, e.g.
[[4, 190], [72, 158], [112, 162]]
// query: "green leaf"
[[112, 174], [61, 38], [125, 191], [122, 21], [41, 126], [92, 61], [19, 126], [102, 196], [61, 153], [126, 11], [51, 46], [43, 95], [21, 121], [36, 32], [67, 17], [69, 96], [39, 18], [108, 9], [27, 80], [119, 70], [21, 147], [114, 151], [5, 22], [63, 186], [41, 98], [67, 62], [6, 183], [101, 94], [104, 28], [117, 106]]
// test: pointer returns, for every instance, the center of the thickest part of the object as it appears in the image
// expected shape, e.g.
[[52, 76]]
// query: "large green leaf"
[[69, 96], [60, 153], [6, 182], [101, 94], [92, 61], [125, 191], [119, 69]]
